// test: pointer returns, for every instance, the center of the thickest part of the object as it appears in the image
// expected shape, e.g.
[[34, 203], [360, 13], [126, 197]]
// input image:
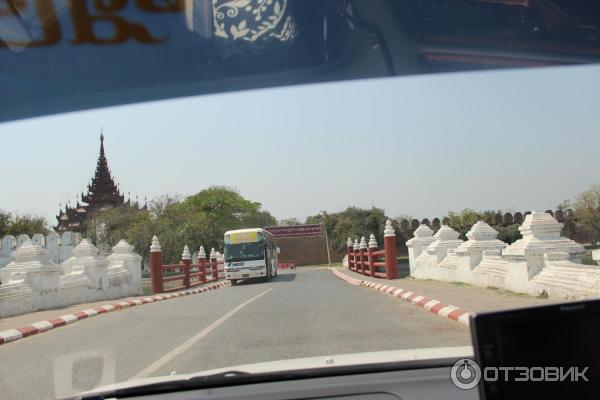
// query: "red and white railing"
[[367, 259], [190, 275]]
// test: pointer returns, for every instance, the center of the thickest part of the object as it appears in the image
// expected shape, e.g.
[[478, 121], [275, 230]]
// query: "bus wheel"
[[233, 282]]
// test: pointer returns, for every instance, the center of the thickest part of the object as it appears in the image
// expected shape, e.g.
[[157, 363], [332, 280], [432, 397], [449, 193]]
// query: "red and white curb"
[[19, 333], [434, 306]]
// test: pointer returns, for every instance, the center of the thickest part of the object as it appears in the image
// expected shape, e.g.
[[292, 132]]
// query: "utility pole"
[[326, 239]]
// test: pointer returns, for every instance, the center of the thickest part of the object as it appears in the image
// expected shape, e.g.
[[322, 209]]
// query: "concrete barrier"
[[33, 282], [540, 263]]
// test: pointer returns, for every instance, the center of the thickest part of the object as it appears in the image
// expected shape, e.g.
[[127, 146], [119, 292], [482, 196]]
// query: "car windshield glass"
[[244, 252]]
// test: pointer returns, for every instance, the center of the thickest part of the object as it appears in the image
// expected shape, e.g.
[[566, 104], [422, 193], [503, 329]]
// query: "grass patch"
[[543, 295], [460, 284], [507, 292], [587, 259], [146, 288]]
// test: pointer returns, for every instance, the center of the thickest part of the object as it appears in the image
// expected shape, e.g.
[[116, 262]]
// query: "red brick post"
[[362, 248], [350, 252], [202, 263], [186, 260], [156, 272], [371, 249], [391, 256], [355, 255], [213, 264]]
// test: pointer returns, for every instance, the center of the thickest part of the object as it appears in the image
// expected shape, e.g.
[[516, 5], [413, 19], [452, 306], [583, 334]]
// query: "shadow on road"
[[284, 278], [280, 278]]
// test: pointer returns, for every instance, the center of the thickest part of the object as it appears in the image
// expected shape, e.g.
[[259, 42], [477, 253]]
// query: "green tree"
[[463, 221], [509, 234], [355, 222], [564, 205], [288, 222], [128, 223], [27, 224], [200, 219], [587, 211], [5, 218]]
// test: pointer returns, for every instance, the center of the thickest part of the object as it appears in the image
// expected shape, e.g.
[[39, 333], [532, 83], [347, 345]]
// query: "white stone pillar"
[[53, 246], [423, 237], [123, 254], [482, 237], [68, 243], [33, 268], [39, 239], [9, 243], [85, 259], [541, 235], [21, 239], [428, 262]]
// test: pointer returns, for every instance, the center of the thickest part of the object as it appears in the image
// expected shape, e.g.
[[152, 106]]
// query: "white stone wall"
[[33, 281], [59, 248], [541, 262]]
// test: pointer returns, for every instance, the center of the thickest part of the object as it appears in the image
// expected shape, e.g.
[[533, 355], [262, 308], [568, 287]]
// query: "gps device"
[[550, 352]]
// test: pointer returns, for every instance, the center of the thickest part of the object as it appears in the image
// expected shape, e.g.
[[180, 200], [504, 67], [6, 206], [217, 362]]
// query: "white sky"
[[419, 146]]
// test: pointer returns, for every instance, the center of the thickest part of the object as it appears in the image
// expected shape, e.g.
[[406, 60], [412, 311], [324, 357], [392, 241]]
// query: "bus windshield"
[[244, 251]]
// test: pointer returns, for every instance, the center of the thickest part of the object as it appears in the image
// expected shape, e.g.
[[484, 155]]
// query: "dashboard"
[[421, 383]]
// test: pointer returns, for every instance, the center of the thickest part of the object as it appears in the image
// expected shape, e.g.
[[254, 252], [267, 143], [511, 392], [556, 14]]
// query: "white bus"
[[250, 253]]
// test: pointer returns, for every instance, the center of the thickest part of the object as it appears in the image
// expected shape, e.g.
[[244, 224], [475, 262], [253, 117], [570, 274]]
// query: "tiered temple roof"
[[102, 194]]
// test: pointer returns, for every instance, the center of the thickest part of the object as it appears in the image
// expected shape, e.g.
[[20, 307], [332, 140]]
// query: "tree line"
[[203, 218]]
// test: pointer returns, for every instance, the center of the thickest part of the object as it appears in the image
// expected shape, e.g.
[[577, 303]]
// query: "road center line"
[[190, 342]]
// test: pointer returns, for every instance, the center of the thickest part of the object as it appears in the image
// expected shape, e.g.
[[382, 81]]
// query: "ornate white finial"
[[389, 229], [372, 242], [446, 233], [363, 243], [155, 246], [349, 243], [85, 249], [355, 246], [122, 247], [482, 231], [212, 253], [201, 253], [186, 253], [423, 231]]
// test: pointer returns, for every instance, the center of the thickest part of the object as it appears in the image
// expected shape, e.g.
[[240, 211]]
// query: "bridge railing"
[[189, 275], [367, 259]]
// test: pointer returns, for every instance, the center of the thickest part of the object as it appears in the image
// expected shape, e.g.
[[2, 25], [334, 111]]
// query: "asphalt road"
[[302, 313]]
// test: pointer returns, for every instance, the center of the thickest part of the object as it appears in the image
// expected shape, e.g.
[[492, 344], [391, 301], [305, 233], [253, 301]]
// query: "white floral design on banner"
[[253, 19]]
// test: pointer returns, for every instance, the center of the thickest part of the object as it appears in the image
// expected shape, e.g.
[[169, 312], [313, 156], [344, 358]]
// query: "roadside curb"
[[12, 335], [437, 307]]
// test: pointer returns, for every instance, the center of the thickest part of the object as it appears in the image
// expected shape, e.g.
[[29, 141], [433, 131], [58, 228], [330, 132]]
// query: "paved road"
[[301, 313]]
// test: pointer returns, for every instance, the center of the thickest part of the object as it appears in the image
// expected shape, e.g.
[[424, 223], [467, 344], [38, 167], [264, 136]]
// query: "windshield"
[[244, 252], [387, 210]]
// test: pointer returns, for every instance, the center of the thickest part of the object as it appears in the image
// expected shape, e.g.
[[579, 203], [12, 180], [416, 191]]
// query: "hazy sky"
[[420, 146]]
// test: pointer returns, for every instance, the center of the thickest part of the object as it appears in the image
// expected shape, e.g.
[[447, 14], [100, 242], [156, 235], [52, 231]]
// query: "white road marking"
[[170, 356]]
